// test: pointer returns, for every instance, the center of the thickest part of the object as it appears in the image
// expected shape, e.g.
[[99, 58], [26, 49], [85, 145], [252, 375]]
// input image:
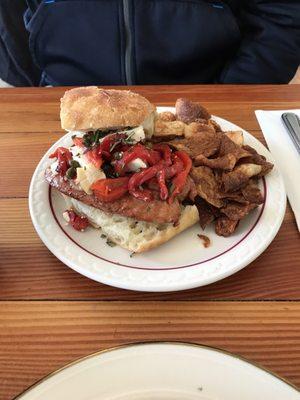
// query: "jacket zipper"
[[128, 43]]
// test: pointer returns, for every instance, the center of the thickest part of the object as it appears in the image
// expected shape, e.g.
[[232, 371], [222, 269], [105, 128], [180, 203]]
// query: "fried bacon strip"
[[240, 176], [226, 162], [225, 170]]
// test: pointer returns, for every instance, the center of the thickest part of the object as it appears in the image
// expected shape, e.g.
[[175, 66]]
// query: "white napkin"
[[284, 152]]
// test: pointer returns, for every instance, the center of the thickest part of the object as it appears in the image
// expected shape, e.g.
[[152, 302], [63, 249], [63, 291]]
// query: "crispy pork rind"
[[258, 159], [167, 129], [226, 162], [225, 170], [239, 177], [252, 193], [215, 125], [228, 154], [197, 127], [190, 119], [227, 146], [225, 226], [206, 143], [207, 186], [188, 111], [236, 136], [207, 212], [166, 116], [234, 196], [236, 211]]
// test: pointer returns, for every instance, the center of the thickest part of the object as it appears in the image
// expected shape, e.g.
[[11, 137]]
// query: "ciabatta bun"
[[135, 236], [91, 108]]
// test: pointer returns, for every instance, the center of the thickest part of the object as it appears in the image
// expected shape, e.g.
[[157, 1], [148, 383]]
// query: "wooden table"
[[50, 315]]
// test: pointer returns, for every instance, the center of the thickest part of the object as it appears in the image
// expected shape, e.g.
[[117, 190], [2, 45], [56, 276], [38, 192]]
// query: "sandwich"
[[143, 177], [114, 177]]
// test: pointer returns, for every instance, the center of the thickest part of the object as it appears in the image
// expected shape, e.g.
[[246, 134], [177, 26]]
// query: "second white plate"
[[161, 371]]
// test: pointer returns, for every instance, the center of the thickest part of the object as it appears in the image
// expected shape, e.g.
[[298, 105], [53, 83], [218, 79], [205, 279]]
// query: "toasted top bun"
[[91, 108]]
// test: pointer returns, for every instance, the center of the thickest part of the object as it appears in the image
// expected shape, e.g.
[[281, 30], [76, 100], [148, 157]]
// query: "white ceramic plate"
[[181, 263], [161, 371]]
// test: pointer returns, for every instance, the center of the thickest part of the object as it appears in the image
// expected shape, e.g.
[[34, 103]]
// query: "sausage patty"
[[156, 211]]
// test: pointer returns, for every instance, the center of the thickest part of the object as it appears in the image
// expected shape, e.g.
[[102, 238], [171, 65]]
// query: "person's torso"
[[77, 42]]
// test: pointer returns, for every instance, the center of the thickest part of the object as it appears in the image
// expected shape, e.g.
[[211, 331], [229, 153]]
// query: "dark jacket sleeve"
[[270, 47], [16, 64]]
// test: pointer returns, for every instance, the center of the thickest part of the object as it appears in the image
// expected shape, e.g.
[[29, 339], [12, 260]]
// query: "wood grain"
[[30, 271], [38, 337], [15, 181], [37, 109]]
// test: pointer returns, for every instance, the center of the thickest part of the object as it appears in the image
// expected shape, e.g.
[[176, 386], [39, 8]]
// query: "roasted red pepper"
[[64, 157], [106, 144], [149, 156], [179, 180], [110, 143], [162, 164], [137, 179], [78, 222], [94, 156], [175, 168], [110, 189], [165, 150], [161, 179], [179, 171], [153, 184]]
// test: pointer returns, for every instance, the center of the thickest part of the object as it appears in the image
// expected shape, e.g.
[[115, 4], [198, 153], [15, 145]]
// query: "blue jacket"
[[122, 42]]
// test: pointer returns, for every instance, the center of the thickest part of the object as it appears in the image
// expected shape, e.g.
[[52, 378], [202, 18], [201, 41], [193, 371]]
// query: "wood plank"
[[210, 92], [29, 109], [30, 271], [39, 337], [23, 152], [32, 117]]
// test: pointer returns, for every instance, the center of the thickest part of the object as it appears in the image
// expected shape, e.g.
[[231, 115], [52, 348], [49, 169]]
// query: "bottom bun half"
[[135, 236]]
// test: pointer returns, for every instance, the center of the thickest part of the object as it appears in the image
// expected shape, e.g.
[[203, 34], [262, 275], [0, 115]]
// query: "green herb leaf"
[[96, 137], [130, 135], [87, 140], [91, 139], [74, 164], [102, 133], [71, 173]]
